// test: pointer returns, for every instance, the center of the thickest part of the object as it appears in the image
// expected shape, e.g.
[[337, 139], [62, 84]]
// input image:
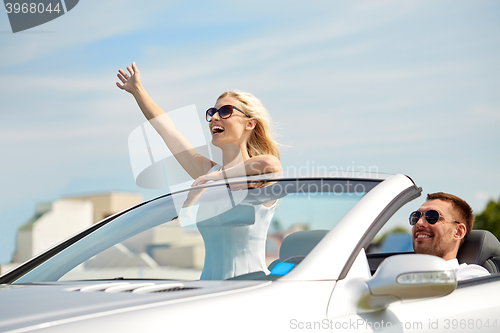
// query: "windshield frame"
[[35, 262]]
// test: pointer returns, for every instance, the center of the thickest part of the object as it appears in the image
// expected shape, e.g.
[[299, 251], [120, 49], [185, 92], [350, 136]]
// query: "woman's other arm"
[[256, 165]]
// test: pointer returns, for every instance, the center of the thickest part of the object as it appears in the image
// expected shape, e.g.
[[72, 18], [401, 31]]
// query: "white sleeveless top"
[[232, 250]]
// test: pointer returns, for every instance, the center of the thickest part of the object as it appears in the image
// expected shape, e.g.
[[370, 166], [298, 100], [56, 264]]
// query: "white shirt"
[[465, 271]]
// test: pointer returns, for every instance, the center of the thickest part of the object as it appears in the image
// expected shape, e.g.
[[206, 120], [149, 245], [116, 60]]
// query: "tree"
[[489, 219], [395, 230]]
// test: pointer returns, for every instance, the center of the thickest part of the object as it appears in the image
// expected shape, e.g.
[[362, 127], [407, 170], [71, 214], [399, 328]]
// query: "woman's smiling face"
[[234, 129]]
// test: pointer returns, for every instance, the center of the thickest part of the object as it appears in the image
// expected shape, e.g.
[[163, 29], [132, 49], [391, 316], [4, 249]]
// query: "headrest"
[[478, 247], [300, 243]]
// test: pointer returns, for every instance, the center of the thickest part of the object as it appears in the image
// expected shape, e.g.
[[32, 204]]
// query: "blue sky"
[[403, 86]]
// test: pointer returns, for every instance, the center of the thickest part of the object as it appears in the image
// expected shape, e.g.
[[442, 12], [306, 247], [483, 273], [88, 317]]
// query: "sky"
[[407, 87]]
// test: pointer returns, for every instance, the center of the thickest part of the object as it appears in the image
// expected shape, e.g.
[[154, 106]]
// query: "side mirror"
[[405, 277]]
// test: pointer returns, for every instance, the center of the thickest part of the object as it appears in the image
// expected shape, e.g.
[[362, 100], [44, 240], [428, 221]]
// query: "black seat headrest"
[[478, 247]]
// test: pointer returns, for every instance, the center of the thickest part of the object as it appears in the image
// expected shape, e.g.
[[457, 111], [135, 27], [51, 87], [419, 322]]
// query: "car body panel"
[[61, 301], [351, 230], [323, 292], [239, 307]]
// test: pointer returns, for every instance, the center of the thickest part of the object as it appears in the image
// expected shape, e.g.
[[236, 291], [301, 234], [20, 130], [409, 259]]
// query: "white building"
[[153, 253], [56, 221]]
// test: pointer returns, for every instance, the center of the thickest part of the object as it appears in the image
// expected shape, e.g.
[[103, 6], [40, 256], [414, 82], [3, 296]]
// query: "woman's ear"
[[251, 124]]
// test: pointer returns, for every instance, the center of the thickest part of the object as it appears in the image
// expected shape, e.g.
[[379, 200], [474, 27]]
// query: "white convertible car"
[[261, 254]]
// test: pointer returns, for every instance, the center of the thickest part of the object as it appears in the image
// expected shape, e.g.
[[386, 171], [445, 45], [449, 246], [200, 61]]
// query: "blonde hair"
[[262, 141]]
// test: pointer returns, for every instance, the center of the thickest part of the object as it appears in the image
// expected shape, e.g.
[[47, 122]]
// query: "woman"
[[241, 128], [244, 135]]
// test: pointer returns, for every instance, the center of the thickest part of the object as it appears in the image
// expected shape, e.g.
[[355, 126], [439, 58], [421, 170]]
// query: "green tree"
[[395, 230], [489, 219]]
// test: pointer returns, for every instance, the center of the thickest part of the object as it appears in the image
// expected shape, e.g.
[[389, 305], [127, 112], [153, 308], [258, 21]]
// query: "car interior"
[[297, 245], [481, 247]]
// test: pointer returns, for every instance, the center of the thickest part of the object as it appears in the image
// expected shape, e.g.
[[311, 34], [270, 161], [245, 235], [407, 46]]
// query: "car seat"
[[297, 245], [481, 247]]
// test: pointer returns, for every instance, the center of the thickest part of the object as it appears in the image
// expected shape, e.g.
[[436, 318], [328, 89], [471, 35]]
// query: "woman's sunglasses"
[[431, 216], [225, 112]]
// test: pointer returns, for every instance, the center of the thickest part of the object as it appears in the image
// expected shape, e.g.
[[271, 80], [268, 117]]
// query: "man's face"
[[438, 239]]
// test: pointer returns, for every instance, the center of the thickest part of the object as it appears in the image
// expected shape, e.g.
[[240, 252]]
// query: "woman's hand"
[[214, 175], [130, 82], [256, 165]]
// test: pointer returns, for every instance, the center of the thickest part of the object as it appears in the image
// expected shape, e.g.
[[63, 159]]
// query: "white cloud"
[[88, 22], [23, 84], [484, 196], [487, 112]]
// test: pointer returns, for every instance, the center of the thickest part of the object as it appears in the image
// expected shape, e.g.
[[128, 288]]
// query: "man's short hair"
[[463, 209]]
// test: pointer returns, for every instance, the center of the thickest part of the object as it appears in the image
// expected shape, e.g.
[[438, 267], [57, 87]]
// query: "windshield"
[[244, 230]]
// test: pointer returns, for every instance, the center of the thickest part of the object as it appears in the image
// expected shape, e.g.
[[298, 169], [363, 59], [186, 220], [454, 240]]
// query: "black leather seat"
[[481, 247]]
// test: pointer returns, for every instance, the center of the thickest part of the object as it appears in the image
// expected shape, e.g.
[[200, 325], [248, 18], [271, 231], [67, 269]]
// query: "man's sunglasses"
[[225, 112], [431, 216]]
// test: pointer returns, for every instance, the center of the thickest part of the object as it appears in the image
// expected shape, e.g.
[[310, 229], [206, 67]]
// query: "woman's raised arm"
[[193, 162]]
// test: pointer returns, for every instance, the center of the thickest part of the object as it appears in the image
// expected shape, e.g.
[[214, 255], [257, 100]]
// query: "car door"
[[472, 306]]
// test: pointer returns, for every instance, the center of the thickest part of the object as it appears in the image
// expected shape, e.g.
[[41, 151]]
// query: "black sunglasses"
[[225, 112], [431, 216]]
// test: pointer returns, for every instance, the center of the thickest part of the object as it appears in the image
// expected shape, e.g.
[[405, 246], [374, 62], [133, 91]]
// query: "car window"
[[395, 236], [212, 233]]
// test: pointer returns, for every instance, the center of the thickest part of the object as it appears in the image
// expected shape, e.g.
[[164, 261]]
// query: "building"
[[153, 253], [54, 222]]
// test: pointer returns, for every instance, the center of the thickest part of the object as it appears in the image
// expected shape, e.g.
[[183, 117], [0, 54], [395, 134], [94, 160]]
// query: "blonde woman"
[[239, 124], [241, 128]]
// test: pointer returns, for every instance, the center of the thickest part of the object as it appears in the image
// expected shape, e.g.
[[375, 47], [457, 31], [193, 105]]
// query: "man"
[[440, 227]]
